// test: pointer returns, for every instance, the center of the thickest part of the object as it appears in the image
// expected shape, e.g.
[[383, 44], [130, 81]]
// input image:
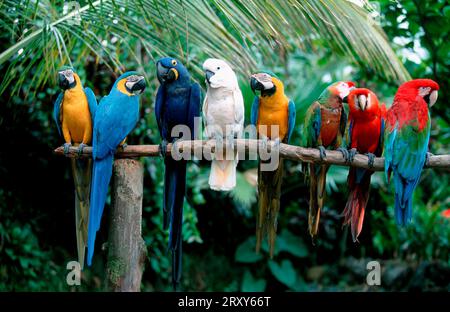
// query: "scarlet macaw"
[[271, 108], [364, 135], [324, 127], [406, 139], [73, 113]]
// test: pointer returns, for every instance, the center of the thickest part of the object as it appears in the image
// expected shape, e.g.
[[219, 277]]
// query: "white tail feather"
[[223, 175]]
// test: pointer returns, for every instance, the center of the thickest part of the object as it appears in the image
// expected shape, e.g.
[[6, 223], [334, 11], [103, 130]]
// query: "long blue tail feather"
[[175, 187], [101, 176]]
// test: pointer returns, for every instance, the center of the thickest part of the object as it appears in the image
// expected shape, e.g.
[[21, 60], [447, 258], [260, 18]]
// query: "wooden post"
[[126, 248]]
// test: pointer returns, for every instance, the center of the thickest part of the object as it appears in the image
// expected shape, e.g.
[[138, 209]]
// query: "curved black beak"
[[63, 82], [345, 99], [165, 74], [139, 86], [208, 75], [256, 85]]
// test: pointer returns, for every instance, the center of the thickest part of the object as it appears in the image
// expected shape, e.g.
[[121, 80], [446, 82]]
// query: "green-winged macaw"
[[324, 127], [406, 139], [177, 103], [116, 116], [73, 113], [365, 131], [271, 108], [223, 112]]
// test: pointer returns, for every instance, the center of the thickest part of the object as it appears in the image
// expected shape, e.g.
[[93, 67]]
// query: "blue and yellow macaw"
[[116, 116], [271, 108], [177, 103], [73, 113]]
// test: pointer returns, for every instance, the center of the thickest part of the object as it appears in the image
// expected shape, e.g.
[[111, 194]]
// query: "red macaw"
[[406, 140], [365, 129]]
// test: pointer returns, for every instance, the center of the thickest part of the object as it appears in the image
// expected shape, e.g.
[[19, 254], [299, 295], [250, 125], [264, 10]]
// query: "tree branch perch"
[[295, 153]]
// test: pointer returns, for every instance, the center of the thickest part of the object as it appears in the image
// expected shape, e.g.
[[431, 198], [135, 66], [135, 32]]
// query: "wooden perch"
[[296, 153], [126, 248]]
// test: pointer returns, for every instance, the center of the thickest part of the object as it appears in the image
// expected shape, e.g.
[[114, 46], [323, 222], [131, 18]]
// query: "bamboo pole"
[[295, 153]]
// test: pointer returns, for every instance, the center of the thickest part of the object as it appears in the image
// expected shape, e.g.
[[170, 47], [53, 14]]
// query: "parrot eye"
[[218, 68], [174, 62]]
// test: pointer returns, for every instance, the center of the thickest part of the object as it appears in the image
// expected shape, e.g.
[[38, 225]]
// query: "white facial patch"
[[265, 80], [131, 81], [424, 91], [343, 89], [68, 73]]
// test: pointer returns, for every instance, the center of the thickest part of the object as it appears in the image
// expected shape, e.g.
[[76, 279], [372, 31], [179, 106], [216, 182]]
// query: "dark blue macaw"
[[116, 115], [177, 103]]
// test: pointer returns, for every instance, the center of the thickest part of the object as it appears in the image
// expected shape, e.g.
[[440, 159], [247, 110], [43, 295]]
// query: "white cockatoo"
[[223, 112]]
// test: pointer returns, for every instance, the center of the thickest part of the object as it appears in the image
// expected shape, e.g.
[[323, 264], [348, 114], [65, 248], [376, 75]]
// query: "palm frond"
[[244, 32]]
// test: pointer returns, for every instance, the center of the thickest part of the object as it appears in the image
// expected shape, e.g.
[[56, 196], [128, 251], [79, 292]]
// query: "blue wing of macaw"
[[159, 105], [57, 111], [291, 119], [92, 101], [194, 108], [254, 111], [389, 138]]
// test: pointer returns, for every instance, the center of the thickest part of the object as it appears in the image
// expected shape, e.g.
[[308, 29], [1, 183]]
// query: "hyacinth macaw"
[[223, 111], [365, 130], [271, 108], [73, 113], [324, 127], [406, 139], [117, 114], [177, 103]]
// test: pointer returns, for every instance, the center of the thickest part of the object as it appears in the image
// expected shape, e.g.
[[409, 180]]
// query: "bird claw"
[[163, 148], [371, 157], [344, 153], [80, 149], [123, 146], [427, 159], [351, 154], [66, 148], [323, 153]]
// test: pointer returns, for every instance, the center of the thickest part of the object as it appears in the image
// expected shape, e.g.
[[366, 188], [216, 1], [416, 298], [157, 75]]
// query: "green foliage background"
[[37, 235]]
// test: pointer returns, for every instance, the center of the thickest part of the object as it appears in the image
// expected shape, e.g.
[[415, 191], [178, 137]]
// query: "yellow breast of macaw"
[[273, 111], [75, 115]]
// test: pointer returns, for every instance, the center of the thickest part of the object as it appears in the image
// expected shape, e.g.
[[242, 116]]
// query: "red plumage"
[[365, 127]]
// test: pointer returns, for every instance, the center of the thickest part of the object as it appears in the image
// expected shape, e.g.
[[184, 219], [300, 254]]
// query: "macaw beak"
[[139, 86], [362, 102], [208, 75], [256, 85], [432, 97], [166, 74], [63, 82]]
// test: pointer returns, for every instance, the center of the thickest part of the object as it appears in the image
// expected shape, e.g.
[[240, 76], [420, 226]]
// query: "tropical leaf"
[[42, 38]]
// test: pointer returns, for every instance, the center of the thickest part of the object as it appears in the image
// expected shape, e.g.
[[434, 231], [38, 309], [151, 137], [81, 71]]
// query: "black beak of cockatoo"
[[208, 75]]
